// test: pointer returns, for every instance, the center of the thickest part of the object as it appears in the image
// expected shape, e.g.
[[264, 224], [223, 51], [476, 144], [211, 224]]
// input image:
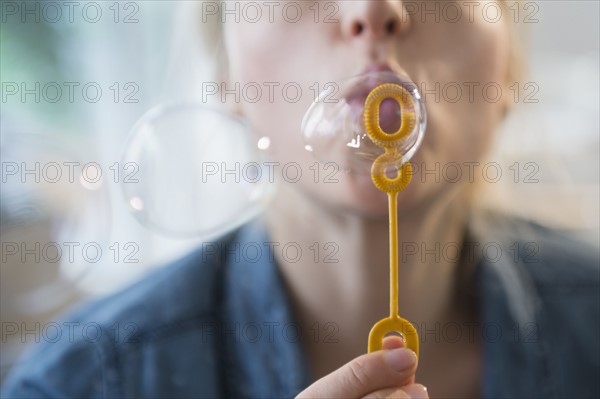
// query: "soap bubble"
[[54, 207], [334, 128], [195, 171]]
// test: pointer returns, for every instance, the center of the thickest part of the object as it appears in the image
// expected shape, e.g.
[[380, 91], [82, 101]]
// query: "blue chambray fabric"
[[217, 324]]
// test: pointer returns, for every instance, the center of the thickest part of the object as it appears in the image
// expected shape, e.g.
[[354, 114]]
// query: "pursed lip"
[[371, 77]]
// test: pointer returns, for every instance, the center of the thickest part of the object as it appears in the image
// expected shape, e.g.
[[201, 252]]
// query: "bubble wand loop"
[[392, 186]]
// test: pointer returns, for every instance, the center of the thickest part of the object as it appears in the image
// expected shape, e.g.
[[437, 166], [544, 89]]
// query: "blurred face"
[[455, 52]]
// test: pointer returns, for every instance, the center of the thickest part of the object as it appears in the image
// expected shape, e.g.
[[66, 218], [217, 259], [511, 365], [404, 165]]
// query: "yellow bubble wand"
[[392, 186]]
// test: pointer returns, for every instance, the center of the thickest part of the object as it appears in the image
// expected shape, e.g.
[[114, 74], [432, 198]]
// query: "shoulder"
[[549, 280], [566, 273], [555, 259], [557, 266], [98, 343]]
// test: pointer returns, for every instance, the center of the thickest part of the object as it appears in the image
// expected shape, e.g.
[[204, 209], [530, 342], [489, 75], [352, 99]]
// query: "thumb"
[[393, 342], [368, 373]]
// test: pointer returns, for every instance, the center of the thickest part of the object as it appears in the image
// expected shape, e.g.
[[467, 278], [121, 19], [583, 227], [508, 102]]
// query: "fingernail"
[[416, 391], [400, 359]]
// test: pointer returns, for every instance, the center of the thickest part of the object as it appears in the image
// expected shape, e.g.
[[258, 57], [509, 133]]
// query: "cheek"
[[269, 66], [465, 90]]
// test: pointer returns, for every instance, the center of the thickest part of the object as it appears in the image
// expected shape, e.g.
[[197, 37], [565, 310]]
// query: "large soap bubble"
[[194, 171]]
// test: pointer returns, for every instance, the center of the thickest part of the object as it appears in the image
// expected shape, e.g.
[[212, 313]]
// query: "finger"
[[393, 342], [365, 374], [413, 391]]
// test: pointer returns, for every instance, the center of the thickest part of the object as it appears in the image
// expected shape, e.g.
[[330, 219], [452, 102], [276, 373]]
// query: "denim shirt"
[[216, 324]]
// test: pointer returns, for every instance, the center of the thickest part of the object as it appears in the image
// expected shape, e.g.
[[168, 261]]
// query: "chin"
[[358, 195], [368, 201], [364, 197]]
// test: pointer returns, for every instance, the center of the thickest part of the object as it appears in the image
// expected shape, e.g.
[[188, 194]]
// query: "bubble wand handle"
[[393, 210], [392, 186]]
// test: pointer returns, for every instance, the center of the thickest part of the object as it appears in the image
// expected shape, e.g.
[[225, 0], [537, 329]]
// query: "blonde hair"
[[539, 188], [197, 52]]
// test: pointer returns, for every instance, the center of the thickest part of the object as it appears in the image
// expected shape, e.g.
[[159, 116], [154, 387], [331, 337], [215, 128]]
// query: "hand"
[[388, 373]]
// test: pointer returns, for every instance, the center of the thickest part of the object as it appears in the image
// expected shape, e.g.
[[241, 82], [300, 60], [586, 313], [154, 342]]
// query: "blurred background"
[[75, 81]]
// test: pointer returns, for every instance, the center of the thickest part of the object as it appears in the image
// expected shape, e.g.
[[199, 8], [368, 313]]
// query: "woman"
[[215, 324]]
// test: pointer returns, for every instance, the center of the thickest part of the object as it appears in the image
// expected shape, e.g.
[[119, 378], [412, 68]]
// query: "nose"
[[373, 19]]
